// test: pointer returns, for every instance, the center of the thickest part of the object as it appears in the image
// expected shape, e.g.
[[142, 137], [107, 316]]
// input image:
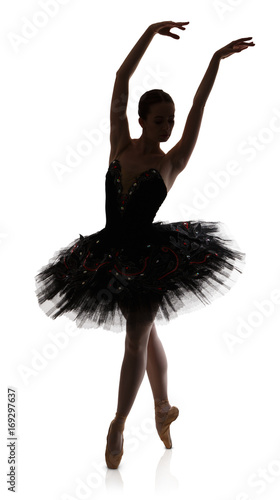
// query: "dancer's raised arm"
[[120, 136], [179, 156], [131, 62]]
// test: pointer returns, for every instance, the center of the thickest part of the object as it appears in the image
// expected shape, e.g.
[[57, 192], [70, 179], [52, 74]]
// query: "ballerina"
[[135, 268]]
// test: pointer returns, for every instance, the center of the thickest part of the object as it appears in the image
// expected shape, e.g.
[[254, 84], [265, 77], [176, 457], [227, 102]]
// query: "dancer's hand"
[[233, 47], [164, 28]]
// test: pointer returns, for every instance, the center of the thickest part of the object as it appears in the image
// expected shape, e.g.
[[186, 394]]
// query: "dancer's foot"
[[165, 414], [115, 440]]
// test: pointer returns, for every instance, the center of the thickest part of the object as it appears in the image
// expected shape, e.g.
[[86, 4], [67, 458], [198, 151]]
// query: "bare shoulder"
[[117, 149]]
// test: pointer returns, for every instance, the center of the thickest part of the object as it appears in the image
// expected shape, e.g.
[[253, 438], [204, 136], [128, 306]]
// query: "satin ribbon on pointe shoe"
[[164, 417], [113, 459]]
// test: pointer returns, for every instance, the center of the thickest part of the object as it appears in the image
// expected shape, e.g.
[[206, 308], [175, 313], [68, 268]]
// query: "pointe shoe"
[[112, 458], [164, 416]]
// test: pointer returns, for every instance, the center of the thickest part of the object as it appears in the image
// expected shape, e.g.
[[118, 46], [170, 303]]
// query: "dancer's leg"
[[157, 373], [138, 327], [157, 366], [134, 364]]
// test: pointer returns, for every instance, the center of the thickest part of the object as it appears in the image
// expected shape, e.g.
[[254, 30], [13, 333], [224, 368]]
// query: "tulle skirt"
[[182, 266]]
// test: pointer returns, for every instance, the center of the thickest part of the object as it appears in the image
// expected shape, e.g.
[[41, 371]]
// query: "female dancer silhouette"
[[134, 268]]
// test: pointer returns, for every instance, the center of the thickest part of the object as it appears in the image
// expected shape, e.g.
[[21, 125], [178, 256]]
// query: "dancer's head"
[[156, 111]]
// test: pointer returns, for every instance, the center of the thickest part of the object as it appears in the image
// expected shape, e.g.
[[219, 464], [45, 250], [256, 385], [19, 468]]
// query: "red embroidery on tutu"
[[95, 269], [201, 262], [132, 274], [71, 252], [165, 249]]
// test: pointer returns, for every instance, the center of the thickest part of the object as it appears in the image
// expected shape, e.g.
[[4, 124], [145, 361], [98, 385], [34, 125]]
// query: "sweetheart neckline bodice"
[[137, 178]]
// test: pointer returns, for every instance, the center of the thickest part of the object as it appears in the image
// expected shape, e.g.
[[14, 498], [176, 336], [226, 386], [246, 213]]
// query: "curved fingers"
[[242, 39]]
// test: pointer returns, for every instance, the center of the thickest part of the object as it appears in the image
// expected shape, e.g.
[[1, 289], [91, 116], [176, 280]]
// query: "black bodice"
[[129, 217]]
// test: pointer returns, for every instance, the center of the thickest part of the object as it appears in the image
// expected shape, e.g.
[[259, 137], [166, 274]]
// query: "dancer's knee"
[[137, 334]]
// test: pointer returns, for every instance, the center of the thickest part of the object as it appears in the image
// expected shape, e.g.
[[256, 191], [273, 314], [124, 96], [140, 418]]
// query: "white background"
[[56, 84]]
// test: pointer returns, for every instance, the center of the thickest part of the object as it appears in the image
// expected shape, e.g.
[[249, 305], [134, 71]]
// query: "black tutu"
[[133, 261]]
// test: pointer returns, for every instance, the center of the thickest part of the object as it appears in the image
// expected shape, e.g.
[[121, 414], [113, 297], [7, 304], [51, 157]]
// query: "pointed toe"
[[164, 418]]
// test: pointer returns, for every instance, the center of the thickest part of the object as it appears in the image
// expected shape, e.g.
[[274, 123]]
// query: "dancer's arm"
[[120, 136], [131, 62], [180, 154]]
